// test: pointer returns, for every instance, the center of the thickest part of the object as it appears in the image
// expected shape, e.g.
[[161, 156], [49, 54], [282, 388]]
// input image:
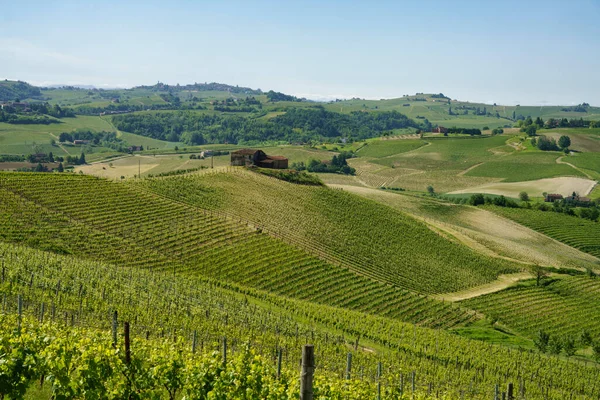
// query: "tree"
[[541, 341], [586, 338], [569, 346], [596, 349], [555, 344], [60, 168], [564, 142], [524, 196], [540, 273], [430, 190], [82, 159], [531, 130], [477, 199]]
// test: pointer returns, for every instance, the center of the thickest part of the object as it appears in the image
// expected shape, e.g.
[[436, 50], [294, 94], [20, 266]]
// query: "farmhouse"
[[552, 197], [249, 157], [77, 141], [439, 129], [135, 148], [577, 199]]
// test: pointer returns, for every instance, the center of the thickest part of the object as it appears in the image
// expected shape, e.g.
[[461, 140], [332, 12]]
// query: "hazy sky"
[[510, 52]]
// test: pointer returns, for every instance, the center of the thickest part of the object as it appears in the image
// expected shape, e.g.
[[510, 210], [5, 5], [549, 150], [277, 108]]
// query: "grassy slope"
[[363, 235], [114, 222]]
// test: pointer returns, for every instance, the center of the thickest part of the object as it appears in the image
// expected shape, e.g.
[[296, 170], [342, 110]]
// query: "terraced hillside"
[[564, 307], [371, 239], [574, 231], [181, 313], [103, 220]]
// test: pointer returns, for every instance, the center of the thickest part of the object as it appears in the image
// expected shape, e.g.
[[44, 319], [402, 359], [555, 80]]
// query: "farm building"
[[439, 129], [248, 157], [552, 197]]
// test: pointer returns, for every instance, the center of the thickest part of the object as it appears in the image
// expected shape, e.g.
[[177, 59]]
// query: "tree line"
[[297, 125]]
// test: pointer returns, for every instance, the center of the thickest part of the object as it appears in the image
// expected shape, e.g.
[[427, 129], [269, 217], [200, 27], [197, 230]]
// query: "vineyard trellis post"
[[348, 365], [20, 311], [308, 369], [127, 344], [114, 329], [510, 391], [379, 380], [279, 359], [194, 342], [224, 352], [496, 392]]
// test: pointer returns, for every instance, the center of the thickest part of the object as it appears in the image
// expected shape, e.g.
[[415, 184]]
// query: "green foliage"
[[569, 346], [298, 177], [11, 90], [564, 142], [542, 341], [296, 125], [523, 196], [547, 144]]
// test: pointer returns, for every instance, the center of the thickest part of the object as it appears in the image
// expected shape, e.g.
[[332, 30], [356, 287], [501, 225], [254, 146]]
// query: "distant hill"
[[11, 90], [213, 86]]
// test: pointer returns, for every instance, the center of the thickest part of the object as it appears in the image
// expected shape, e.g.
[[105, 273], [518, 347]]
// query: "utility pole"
[[212, 165], [139, 168]]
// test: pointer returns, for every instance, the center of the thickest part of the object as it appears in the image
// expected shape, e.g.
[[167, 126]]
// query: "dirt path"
[[499, 284], [468, 169], [560, 161], [408, 152], [58, 143]]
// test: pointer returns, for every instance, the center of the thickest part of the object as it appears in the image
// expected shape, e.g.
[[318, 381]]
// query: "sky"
[[505, 52]]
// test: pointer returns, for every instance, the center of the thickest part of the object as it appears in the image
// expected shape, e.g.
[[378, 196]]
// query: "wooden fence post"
[[279, 359], [114, 329], [20, 311], [224, 352], [379, 380], [308, 369], [509, 392], [127, 344], [348, 365]]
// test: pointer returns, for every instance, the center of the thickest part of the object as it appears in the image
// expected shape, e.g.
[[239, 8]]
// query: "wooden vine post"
[[127, 344], [308, 370]]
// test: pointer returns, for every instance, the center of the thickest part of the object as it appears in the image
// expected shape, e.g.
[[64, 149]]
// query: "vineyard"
[[120, 224], [564, 307], [362, 235], [178, 326], [577, 232]]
